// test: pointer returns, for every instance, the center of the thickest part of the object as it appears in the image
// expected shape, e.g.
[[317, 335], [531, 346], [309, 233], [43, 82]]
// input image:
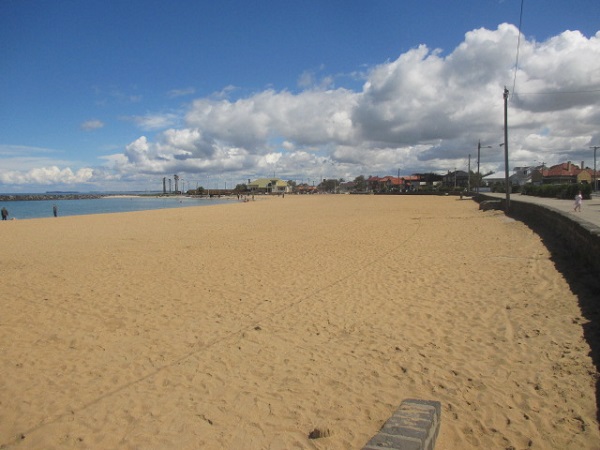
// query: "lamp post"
[[507, 206], [469, 176], [543, 165], [595, 147], [479, 147]]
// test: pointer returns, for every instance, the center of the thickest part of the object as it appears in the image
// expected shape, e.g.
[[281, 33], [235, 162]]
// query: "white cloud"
[[47, 176], [91, 125], [423, 111], [151, 122], [173, 93], [309, 79]]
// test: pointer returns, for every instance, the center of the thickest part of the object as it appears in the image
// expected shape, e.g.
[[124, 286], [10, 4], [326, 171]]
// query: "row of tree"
[[361, 183]]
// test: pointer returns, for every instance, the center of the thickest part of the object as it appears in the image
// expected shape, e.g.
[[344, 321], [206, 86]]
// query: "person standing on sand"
[[4, 213], [578, 202], [55, 210]]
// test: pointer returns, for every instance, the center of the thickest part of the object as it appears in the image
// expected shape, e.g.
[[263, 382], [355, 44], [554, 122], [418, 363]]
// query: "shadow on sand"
[[584, 282]]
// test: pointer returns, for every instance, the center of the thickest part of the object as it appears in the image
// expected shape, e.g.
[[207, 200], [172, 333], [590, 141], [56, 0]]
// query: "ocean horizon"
[[109, 202]]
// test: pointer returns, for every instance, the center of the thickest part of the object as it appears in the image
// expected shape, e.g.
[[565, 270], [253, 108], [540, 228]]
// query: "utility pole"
[[595, 147], [506, 175], [478, 158], [469, 176], [543, 163]]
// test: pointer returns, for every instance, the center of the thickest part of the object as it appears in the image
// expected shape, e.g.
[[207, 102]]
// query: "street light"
[[595, 147], [469, 176], [541, 164], [479, 147], [507, 206]]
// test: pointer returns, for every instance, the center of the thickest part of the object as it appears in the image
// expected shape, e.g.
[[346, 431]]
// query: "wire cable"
[[518, 46], [583, 91]]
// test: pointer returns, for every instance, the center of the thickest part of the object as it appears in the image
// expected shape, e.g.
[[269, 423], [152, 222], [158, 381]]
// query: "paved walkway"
[[590, 209]]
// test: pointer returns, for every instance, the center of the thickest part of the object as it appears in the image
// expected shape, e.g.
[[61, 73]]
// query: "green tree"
[[328, 185]]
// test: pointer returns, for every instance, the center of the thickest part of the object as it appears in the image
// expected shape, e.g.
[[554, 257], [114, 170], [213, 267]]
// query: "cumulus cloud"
[[91, 125], [423, 111], [38, 168], [47, 176]]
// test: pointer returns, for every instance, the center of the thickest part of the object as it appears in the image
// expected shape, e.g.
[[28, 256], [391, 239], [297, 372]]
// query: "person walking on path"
[[578, 202], [4, 213]]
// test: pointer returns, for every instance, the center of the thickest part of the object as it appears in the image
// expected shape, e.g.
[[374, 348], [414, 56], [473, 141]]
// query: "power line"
[[583, 91], [518, 46]]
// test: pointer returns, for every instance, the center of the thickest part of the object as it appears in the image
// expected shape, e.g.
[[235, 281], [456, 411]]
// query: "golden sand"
[[247, 326]]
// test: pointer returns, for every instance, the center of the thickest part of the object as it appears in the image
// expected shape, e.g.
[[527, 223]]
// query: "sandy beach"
[[249, 325]]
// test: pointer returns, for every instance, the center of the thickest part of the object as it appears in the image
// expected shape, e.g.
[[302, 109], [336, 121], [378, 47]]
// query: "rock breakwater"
[[33, 197]]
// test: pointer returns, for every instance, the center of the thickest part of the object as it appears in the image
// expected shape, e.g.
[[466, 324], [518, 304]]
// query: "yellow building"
[[269, 186]]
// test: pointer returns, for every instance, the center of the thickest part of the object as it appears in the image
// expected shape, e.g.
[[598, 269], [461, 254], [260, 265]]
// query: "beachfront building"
[[269, 186], [347, 186], [522, 175], [456, 179], [394, 184], [383, 184], [564, 173], [412, 182], [305, 188]]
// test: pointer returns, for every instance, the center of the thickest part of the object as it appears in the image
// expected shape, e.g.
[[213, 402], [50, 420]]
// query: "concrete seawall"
[[580, 237]]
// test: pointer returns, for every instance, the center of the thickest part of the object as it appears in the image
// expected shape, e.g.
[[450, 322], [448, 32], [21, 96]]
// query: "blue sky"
[[115, 95]]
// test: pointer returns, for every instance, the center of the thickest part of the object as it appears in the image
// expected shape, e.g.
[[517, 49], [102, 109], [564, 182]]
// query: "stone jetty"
[[27, 197]]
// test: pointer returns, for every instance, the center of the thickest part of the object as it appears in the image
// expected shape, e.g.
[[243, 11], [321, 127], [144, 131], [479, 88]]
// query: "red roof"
[[394, 180], [567, 169]]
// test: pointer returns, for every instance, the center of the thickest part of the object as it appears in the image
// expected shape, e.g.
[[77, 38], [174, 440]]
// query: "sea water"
[[33, 209]]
